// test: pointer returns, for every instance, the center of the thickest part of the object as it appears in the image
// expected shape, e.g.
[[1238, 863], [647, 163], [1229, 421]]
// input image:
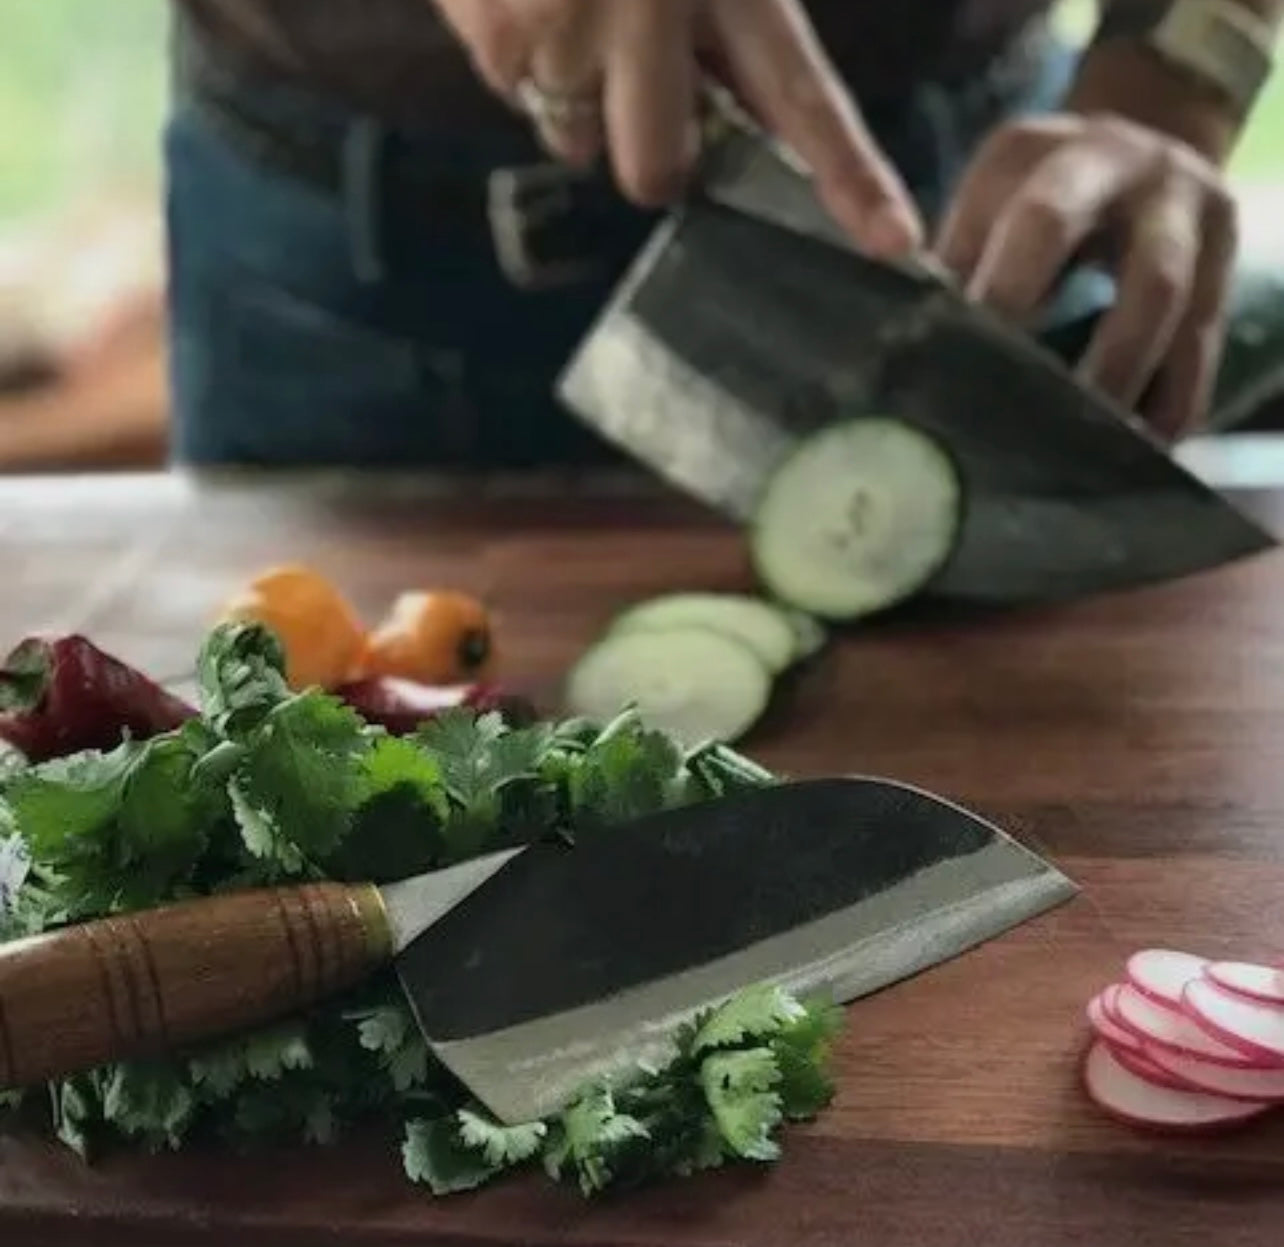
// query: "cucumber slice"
[[766, 630], [697, 684], [809, 635], [860, 517]]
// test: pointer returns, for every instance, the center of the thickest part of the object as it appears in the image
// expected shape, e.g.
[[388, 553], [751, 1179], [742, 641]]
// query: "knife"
[[748, 320], [532, 970]]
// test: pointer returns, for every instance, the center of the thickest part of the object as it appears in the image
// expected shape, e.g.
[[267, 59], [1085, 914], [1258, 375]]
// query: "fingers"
[[990, 181], [566, 68], [1046, 221], [650, 100], [497, 43], [1163, 243], [1185, 385], [778, 64]]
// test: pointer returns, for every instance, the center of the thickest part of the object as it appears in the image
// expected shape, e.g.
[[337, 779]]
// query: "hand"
[[621, 77], [1045, 191]]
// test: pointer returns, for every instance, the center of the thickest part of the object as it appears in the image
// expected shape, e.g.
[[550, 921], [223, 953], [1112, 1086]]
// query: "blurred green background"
[[82, 90]]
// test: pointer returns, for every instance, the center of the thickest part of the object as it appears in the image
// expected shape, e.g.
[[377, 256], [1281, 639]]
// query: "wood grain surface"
[[1137, 740]]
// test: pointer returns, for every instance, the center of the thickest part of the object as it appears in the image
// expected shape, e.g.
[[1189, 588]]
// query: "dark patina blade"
[[571, 960], [733, 336]]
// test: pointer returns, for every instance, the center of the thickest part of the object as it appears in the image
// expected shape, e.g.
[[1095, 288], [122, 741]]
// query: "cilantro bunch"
[[274, 786]]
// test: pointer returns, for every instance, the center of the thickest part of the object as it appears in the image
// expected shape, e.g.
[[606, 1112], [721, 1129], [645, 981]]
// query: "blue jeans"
[[313, 329]]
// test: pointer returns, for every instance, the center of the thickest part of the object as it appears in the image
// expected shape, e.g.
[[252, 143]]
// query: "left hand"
[[1044, 191]]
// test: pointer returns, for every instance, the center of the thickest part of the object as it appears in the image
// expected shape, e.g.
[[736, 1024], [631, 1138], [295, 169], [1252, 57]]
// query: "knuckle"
[[1021, 139], [1222, 213], [497, 47], [1165, 278], [497, 30], [1042, 218]]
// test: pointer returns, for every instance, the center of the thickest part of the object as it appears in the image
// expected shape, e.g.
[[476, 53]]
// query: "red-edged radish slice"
[[1155, 1024], [1106, 1027], [1256, 982], [1119, 1092], [1149, 1071], [1239, 1084], [1160, 974], [1252, 1027]]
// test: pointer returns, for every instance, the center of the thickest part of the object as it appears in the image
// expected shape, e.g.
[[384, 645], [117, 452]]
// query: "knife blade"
[[748, 320], [534, 969]]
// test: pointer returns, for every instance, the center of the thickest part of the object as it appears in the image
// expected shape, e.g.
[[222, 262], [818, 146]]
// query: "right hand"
[[621, 77]]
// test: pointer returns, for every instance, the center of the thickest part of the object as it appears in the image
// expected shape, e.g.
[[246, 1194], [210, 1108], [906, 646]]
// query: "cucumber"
[[770, 632], [809, 635], [697, 684], [862, 515]]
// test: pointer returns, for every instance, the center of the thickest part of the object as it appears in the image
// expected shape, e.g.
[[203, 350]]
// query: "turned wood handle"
[[142, 983]]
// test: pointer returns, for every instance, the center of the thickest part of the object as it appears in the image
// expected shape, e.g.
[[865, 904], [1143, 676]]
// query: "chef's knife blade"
[[731, 338], [750, 319], [535, 969], [568, 965]]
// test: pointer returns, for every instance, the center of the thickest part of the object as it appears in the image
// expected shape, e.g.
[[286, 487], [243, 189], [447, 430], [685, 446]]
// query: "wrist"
[[1128, 81], [1188, 68]]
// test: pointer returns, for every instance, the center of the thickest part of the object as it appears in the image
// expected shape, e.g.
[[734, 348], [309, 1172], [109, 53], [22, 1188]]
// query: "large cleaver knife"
[[532, 970], [748, 320]]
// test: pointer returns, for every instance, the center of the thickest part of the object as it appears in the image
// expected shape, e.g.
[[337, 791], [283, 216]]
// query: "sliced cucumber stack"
[[777, 637], [861, 516], [695, 683]]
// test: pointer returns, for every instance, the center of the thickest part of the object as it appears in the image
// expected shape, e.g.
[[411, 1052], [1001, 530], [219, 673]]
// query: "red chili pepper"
[[60, 695], [401, 706]]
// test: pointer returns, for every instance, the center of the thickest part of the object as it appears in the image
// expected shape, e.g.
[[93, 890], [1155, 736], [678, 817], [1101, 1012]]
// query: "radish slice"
[[1160, 974], [1099, 1018], [1119, 1092], [1239, 1084], [1155, 1024], [1147, 1070], [1256, 982], [1252, 1027]]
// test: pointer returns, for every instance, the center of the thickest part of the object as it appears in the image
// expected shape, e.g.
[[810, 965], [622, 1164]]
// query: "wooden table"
[[1137, 740]]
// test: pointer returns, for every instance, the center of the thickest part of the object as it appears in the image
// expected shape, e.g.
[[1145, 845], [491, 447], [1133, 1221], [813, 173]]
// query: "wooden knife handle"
[[141, 983]]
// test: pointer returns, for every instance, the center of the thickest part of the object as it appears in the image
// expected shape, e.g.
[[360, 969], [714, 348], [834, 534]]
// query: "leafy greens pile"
[[267, 786]]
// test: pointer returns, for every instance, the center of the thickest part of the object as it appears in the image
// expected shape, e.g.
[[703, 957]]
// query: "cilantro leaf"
[[740, 1087], [241, 672], [61, 806], [12, 762], [15, 866], [385, 1030], [320, 1125], [401, 806], [149, 1101], [626, 773], [591, 1139], [297, 783], [503, 1146], [802, 1049], [270, 1054], [479, 757], [393, 1033], [76, 1113], [754, 1013], [219, 1070], [434, 1154]]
